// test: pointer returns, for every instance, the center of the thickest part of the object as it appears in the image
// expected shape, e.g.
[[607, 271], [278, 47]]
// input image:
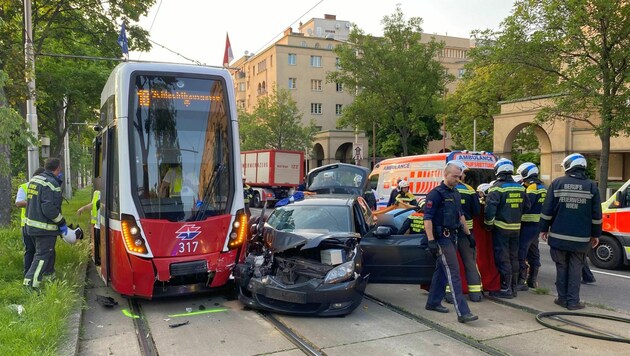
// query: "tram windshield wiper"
[[209, 191]]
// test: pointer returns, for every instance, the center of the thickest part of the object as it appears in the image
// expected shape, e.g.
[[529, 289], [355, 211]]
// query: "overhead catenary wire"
[[152, 23]]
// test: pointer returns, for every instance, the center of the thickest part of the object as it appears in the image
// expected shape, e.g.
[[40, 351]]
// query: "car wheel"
[[608, 254], [256, 201]]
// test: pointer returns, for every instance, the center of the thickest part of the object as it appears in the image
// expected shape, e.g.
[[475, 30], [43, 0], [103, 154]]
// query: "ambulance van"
[[614, 245], [424, 172]]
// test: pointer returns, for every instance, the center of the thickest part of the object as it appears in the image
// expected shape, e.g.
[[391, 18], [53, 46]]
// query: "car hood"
[[278, 241]]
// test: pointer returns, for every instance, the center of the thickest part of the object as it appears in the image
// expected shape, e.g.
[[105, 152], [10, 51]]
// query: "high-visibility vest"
[[95, 197], [24, 187], [175, 186]]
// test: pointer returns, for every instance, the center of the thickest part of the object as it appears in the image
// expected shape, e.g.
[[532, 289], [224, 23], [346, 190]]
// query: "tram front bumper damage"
[[305, 274]]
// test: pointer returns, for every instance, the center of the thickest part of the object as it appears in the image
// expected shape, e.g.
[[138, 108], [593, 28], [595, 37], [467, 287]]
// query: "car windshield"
[[311, 217]]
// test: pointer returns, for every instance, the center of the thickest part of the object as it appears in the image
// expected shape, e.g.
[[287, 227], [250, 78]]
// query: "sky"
[[196, 29]]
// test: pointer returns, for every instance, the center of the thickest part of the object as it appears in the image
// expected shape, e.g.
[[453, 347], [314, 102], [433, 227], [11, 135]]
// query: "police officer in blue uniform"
[[571, 219], [443, 220]]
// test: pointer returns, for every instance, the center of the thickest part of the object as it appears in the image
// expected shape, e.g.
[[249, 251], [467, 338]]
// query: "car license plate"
[[286, 296]]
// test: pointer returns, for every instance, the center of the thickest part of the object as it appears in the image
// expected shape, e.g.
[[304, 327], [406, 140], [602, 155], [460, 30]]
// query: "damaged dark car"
[[308, 257]]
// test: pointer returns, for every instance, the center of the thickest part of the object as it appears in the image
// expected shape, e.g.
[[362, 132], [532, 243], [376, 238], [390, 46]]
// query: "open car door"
[[392, 258]]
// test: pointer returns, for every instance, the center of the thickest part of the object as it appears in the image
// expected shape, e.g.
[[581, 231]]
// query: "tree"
[[484, 85], [67, 27], [401, 83], [14, 129], [275, 123], [585, 46]]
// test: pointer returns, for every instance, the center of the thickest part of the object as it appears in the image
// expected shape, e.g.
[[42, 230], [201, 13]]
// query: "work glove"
[[471, 240], [63, 229], [433, 248]]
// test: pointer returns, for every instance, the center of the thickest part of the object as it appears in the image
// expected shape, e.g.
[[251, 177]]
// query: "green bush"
[[41, 326]]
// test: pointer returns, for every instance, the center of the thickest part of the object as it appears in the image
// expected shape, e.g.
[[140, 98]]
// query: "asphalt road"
[[611, 288]]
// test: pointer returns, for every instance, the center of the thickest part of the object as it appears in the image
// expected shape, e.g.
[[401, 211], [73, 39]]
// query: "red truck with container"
[[272, 174]]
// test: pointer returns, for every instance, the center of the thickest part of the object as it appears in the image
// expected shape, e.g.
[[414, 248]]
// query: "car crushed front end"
[[303, 273]]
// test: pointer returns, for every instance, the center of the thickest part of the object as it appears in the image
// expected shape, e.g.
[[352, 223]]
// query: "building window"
[[338, 109], [461, 72], [330, 46], [316, 61], [292, 83], [241, 86], [337, 63], [316, 45], [292, 59], [316, 84], [339, 87], [304, 44], [262, 65], [316, 108]]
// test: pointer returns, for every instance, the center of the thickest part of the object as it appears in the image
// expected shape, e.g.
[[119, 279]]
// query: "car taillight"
[[131, 234], [239, 230]]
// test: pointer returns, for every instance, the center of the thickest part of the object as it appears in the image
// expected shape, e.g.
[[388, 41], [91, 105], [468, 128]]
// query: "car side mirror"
[[383, 231]]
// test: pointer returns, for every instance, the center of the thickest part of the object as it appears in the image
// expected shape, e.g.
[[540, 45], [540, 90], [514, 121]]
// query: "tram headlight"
[[239, 230], [131, 234]]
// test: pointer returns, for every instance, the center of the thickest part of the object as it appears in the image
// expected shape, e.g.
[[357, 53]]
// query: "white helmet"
[[72, 235], [573, 161], [483, 187], [517, 178], [458, 163], [527, 170], [403, 184], [357, 179], [503, 165]]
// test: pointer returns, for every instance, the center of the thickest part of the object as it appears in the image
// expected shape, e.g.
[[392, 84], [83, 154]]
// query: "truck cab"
[[614, 245]]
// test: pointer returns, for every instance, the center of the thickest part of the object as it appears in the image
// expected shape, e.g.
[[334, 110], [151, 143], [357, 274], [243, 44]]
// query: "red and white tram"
[[167, 164]]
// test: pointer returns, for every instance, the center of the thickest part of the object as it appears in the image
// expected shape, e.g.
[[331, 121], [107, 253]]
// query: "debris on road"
[[107, 302], [178, 325]]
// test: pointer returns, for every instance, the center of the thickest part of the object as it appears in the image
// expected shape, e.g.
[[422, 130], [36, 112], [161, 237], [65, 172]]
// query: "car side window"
[[360, 225], [626, 198]]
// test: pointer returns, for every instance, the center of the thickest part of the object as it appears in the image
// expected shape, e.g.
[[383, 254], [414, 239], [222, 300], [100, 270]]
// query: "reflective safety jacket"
[[536, 193], [96, 201], [414, 223], [505, 204], [572, 212], [470, 203], [43, 205], [24, 187], [407, 198], [248, 193]]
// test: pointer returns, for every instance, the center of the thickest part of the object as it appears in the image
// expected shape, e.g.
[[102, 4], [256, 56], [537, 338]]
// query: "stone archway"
[[557, 139], [318, 155], [543, 141], [344, 153]]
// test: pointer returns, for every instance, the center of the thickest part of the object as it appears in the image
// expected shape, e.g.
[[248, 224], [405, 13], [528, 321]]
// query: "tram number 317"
[[188, 247]]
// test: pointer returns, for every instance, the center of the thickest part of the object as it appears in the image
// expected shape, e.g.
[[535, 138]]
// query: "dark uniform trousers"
[[447, 273], [469, 259], [528, 253], [569, 266], [505, 244], [43, 262], [29, 249]]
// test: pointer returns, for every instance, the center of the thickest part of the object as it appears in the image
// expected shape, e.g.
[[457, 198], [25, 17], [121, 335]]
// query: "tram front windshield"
[[180, 137]]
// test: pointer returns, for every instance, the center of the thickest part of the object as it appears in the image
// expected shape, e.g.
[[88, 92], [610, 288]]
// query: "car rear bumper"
[[313, 298]]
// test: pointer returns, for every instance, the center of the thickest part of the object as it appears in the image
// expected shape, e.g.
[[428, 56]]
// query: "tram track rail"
[[301, 342], [143, 332], [437, 327]]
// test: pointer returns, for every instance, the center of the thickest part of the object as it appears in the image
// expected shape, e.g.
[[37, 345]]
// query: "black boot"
[[521, 284], [513, 284], [506, 288], [531, 279]]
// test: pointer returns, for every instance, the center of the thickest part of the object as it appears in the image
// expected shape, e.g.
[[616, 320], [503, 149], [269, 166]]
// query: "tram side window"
[[114, 201]]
